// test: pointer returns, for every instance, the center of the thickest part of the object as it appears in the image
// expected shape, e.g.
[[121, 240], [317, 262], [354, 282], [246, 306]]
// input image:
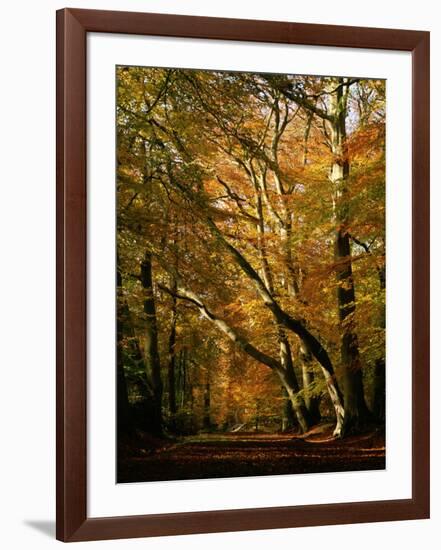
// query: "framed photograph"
[[242, 274]]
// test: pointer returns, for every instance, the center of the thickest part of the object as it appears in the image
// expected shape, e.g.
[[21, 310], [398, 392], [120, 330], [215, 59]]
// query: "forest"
[[250, 273]]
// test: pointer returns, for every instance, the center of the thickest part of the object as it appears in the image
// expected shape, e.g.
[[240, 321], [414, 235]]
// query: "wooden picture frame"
[[73, 524]]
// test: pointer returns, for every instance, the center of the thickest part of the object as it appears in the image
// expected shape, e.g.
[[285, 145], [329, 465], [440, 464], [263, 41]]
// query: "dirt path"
[[231, 455]]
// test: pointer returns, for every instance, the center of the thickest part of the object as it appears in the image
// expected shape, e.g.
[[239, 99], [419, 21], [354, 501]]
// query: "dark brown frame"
[[72, 28]]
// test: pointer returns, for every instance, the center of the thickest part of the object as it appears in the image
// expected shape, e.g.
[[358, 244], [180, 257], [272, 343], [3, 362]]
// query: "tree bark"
[[289, 418], [379, 400], [289, 380], [172, 362], [207, 400], [311, 402], [356, 411], [151, 352], [124, 421], [124, 424]]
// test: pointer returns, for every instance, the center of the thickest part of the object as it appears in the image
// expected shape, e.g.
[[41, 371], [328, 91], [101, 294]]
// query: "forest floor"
[[252, 454]]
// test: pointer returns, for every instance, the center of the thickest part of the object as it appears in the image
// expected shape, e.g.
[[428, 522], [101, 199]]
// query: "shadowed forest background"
[[250, 274]]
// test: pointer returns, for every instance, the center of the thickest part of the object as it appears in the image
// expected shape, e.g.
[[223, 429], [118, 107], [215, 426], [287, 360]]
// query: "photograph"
[[217, 275], [250, 274]]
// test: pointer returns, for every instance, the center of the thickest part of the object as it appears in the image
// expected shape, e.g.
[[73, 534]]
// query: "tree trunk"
[[192, 420], [151, 352], [288, 416], [356, 411], [309, 342], [285, 354], [311, 402], [289, 380], [266, 271], [284, 367], [183, 374], [207, 399], [124, 421], [295, 325], [379, 400], [172, 363]]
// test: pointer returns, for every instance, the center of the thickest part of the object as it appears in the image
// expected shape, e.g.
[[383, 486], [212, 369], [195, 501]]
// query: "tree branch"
[[239, 340], [295, 325]]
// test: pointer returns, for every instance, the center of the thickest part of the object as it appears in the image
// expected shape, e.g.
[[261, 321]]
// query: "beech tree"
[[251, 214]]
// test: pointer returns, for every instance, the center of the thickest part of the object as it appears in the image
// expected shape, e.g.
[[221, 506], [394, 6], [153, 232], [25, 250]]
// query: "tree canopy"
[[251, 250]]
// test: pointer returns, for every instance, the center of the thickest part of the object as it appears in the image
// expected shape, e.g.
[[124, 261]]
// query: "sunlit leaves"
[[194, 146]]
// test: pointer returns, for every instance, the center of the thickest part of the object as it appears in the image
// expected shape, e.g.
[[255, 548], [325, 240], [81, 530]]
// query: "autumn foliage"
[[251, 253]]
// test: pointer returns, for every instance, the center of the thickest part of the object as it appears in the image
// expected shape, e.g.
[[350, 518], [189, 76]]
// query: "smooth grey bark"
[[289, 379], [289, 418], [266, 271], [290, 383], [311, 402]]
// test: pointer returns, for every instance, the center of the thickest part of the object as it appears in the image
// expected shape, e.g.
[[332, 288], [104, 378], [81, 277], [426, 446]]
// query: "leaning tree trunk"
[[153, 366], [295, 325], [298, 327], [289, 380], [356, 411], [284, 367], [283, 222], [311, 401], [289, 420]]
